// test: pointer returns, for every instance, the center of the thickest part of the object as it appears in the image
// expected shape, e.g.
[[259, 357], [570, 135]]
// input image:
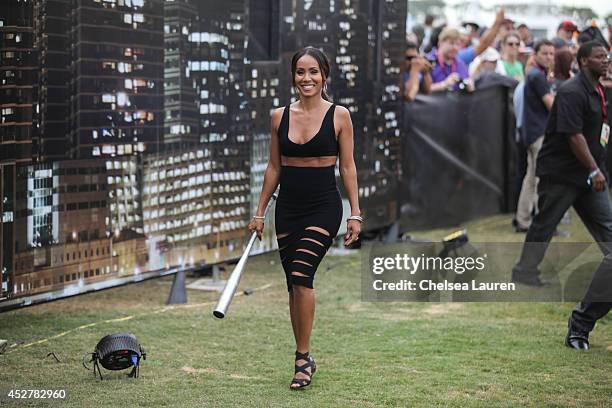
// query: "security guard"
[[571, 168]]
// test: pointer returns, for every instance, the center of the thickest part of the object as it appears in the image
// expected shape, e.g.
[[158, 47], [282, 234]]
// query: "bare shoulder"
[[277, 113], [342, 113], [342, 117], [276, 116]]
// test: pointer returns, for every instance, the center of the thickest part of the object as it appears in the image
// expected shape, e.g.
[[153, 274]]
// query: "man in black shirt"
[[571, 167], [538, 100]]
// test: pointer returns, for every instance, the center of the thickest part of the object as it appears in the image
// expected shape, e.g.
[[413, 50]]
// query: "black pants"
[[554, 199], [520, 172]]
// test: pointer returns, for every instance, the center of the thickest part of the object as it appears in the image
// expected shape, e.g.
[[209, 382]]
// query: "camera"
[[463, 84]]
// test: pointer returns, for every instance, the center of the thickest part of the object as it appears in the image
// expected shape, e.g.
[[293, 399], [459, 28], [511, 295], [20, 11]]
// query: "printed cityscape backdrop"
[[135, 133]]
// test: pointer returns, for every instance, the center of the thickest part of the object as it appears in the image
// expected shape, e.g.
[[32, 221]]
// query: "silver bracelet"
[[356, 218], [259, 217]]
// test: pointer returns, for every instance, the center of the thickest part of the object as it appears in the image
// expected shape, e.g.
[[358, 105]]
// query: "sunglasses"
[[410, 57]]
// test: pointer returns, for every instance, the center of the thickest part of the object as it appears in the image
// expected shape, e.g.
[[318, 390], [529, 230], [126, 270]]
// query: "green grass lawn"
[[368, 354]]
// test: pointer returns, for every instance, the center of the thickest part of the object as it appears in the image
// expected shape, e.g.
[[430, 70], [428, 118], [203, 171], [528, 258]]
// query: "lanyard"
[[602, 98]]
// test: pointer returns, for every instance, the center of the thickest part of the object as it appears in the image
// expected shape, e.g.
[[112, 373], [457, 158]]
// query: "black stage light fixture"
[[452, 242], [117, 352]]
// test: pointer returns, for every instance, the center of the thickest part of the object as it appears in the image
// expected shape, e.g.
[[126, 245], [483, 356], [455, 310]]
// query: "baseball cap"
[[472, 26], [568, 25], [490, 55]]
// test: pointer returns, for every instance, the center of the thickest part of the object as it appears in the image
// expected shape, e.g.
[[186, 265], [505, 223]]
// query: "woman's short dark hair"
[[542, 43], [411, 45], [321, 59]]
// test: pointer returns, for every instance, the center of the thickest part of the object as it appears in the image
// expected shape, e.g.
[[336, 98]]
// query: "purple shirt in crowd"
[[441, 71]]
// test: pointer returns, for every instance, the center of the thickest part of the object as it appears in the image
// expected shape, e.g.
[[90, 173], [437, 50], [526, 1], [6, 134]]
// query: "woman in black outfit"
[[308, 136]]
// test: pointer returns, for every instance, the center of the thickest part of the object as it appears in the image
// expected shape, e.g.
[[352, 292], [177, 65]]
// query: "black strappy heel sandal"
[[310, 363]]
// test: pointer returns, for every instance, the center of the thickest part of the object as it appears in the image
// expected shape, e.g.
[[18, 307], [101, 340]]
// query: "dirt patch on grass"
[[356, 307], [192, 370], [454, 393], [443, 309], [243, 377], [208, 370], [368, 311], [400, 315], [403, 314]]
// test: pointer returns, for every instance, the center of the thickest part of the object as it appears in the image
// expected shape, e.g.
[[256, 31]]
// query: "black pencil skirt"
[[308, 216]]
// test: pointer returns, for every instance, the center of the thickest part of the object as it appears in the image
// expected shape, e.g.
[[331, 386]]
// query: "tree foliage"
[[422, 7], [581, 14]]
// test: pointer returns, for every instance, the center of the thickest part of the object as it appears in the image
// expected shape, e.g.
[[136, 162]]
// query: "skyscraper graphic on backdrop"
[[53, 20], [181, 115], [230, 149], [100, 81], [18, 82], [364, 41], [380, 188], [18, 99], [116, 85], [135, 133], [196, 200], [264, 89]]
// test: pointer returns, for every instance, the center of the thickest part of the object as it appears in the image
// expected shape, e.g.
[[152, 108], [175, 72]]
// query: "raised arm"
[[489, 36], [420, 68], [348, 171]]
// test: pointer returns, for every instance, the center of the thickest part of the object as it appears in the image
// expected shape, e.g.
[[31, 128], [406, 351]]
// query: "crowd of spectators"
[[441, 58]]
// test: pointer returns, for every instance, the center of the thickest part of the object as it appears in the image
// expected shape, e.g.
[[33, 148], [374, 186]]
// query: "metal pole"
[[178, 292], [215, 273], [111, 253], [232, 283]]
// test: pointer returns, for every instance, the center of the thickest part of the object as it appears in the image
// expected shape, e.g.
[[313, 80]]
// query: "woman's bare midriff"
[[322, 161]]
